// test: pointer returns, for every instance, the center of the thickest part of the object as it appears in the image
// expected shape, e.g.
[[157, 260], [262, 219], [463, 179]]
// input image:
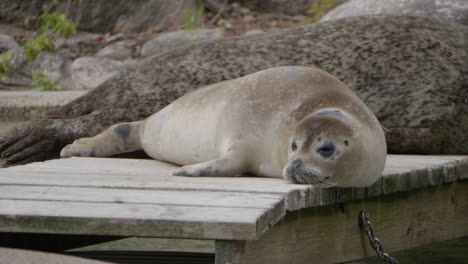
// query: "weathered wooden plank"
[[142, 183], [140, 174], [100, 165], [401, 163], [331, 234], [153, 244], [151, 182], [132, 196], [136, 219], [230, 252], [21, 256], [155, 175]]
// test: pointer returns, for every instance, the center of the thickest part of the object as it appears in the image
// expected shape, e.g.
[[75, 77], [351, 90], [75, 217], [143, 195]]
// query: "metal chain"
[[368, 229]]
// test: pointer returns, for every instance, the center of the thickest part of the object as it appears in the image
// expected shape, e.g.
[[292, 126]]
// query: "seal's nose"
[[296, 164], [326, 150]]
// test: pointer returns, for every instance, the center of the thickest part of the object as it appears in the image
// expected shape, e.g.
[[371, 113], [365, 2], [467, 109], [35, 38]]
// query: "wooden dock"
[[419, 200]]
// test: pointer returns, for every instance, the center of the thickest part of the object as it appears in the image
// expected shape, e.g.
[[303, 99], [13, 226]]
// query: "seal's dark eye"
[[346, 142], [294, 146]]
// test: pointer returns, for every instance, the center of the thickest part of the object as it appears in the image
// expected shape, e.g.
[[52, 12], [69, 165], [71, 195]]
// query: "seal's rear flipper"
[[119, 138], [234, 162]]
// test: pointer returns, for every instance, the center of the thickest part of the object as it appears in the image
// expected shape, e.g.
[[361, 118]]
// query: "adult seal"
[[297, 122], [410, 71]]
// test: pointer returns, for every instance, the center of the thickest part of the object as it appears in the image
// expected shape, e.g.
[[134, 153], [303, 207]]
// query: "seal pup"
[[295, 122]]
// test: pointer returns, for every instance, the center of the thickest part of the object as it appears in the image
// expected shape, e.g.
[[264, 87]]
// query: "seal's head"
[[331, 147]]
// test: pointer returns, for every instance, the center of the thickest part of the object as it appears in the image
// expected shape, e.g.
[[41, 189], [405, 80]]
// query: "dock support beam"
[[331, 234]]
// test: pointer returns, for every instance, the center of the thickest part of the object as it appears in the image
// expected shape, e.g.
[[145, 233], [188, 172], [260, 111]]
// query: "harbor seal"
[[297, 122], [410, 71]]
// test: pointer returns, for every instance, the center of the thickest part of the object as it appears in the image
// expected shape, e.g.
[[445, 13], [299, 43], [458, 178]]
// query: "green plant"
[[5, 62], [42, 83], [57, 23], [318, 10], [193, 19], [37, 45], [52, 25]]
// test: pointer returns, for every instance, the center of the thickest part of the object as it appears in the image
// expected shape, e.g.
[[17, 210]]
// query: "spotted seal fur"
[[410, 71]]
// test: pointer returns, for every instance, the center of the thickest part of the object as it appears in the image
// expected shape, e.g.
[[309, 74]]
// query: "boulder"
[[253, 32], [19, 74], [89, 72], [287, 7], [167, 41], [451, 10], [104, 16], [79, 38], [7, 43], [118, 50]]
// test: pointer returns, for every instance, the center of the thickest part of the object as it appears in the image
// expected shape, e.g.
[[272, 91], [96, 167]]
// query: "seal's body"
[[297, 122]]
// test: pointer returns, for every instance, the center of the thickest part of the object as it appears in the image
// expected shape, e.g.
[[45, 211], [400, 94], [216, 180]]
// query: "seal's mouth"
[[297, 173]]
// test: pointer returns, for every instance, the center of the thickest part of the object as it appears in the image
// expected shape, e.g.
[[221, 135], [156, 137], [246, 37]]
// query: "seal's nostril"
[[326, 150], [296, 163]]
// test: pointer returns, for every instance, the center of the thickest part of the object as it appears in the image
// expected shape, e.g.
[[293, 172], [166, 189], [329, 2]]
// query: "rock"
[[15, 32], [451, 10], [80, 38], [132, 61], [167, 41], [19, 74], [27, 105], [248, 18], [253, 31], [81, 44], [116, 50], [287, 7], [7, 43], [89, 72], [105, 16]]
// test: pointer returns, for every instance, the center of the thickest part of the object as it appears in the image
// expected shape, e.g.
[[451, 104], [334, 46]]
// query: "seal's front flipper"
[[234, 162], [120, 138]]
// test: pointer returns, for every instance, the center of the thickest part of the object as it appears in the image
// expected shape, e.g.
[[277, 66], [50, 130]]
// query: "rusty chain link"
[[368, 229]]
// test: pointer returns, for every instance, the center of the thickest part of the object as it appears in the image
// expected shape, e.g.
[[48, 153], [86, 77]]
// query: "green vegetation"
[[52, 26], [42, 83], [193, 19], [318, 10], [5, 62]]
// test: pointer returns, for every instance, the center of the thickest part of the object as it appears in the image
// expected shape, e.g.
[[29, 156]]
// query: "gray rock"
[[78, 39], [254, 31], [19, 74], [27, 105], [287, 7], [451, 10], [116, 50], [89, 72], [15, 32], [7, 43], [105, 16], [167, 41]]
